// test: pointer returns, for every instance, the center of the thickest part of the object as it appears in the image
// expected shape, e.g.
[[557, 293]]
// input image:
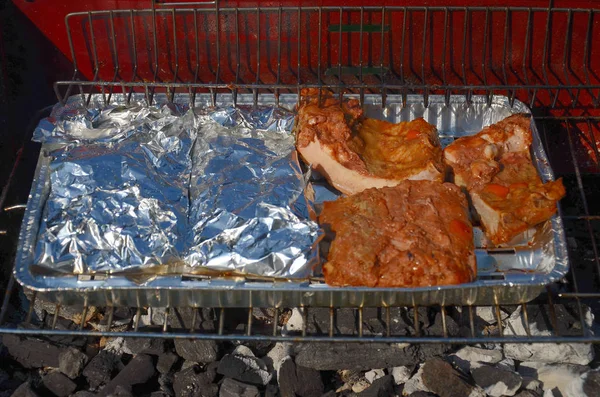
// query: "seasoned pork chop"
[[474, 159], [356, 153], [414, 234], [515, 199], [505, 189]]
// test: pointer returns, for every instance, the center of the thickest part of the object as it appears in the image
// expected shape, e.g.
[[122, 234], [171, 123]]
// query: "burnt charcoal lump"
[[338, 356], [242, 365], [100, 368], [198, 351], [153, 346], [233, 388], [25, 390], [71, 362], [31, 352], [443, 380], [497, 381], [192, 382], [166, 361], [59, 384], [299, 381], [381, 387], [139, 370]]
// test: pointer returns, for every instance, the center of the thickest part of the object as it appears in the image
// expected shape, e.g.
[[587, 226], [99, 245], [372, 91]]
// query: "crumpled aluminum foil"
[[121, 205], [249, 210], [136, 187]]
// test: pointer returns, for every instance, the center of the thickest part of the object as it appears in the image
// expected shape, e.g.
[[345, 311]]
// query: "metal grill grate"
[[548, 58]]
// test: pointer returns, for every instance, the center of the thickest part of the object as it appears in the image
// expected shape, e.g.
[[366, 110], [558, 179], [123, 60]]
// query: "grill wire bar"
[[362, 50]]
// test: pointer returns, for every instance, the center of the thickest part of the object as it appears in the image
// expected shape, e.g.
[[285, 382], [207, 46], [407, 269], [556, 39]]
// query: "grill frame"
[[568, 99]]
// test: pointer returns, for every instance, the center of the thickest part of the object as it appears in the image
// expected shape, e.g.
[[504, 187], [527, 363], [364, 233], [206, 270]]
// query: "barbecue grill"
[[544, 55]]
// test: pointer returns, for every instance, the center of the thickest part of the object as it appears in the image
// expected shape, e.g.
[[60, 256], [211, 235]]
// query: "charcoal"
[[192, 383], [4, 380], [198, 351], [440, 378], [59, 384], [32, 352], [496, 381], [188, 364], [72, 313], [532, 385], [529, 393], [25, 390], [183, 318], [271, 391], [591, 384], [244, 367], [381, 387], [344, 321], [429, 323], [71, 362], [154, 346], [159, 394], [121, 319], [286, 378], [120, 391], [100, 368], [295, 380], [233, 388], [166, 383], [84, 393], [166, 361], [469, 357], [259, 348], [421, 393], [139, 370], [540, 324], [337, 356]]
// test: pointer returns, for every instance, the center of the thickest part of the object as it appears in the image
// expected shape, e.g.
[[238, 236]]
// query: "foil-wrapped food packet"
[[249, 211], [137, 188], [119, 205]]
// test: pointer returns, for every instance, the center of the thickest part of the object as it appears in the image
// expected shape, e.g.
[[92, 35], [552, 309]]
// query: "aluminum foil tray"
[[512, 274]]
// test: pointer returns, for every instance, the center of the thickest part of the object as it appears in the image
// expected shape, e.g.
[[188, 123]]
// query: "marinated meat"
[[505, 189], [414, 234], [474, 159], [515, 199], [356, 153]]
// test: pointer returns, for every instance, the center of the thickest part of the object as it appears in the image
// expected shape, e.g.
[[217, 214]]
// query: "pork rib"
[[414, 234], [515, 199], [356, 153], [505, 189]]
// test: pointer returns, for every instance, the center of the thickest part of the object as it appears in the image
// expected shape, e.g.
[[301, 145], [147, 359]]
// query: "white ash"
[[571, 353], [470, 357], [401, 374], [415, 383], [294, 323], [553, 376], [374, 374]]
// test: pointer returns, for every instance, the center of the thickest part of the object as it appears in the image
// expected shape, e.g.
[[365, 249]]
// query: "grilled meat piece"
[[515, 199], [505, 189], [416, 233], [474, 159], [356, 153]]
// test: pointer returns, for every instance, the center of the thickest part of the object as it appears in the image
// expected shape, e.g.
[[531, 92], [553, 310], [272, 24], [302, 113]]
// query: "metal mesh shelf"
[[548, 58]]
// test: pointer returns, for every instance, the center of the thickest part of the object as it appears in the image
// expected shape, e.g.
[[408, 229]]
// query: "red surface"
[[422, 60], [49, 17]]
